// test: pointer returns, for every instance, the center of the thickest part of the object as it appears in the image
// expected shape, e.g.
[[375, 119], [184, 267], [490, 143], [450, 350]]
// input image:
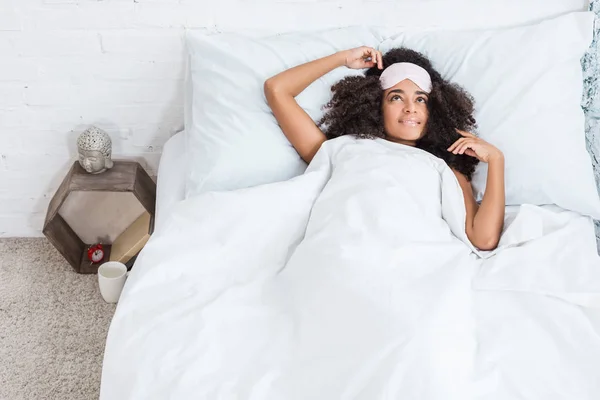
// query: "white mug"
[[111, 279]]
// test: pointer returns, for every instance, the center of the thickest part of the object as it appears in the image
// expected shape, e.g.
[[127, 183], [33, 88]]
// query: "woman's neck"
[[412, 143]]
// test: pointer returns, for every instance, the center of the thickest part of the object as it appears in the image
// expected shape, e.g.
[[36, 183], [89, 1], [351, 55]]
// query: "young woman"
[[401, 98]]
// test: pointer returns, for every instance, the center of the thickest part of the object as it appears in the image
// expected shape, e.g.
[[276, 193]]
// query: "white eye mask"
[[400, 71]]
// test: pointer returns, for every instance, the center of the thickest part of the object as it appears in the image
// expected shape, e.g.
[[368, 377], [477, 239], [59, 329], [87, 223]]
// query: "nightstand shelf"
[[88, 209]]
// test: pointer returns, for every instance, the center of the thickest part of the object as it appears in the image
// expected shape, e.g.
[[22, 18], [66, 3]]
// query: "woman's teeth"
[[410, 123]]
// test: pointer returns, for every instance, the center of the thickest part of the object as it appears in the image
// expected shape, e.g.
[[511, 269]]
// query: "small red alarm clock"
[[95, 253]]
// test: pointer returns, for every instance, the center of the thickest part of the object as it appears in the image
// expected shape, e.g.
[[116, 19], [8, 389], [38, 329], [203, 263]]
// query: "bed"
[[181, 332], [256, 286]]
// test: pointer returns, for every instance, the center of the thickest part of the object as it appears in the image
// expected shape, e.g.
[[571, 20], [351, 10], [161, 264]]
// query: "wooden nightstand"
[[88, 209]]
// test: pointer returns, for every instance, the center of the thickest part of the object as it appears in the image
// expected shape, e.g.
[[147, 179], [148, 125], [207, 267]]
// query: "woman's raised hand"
[[363, 57], [474, 146]]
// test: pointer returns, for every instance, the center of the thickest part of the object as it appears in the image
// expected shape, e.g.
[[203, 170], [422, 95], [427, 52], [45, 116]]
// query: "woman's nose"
[[409, 108]]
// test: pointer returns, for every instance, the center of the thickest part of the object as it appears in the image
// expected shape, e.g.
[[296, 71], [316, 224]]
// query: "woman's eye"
[[395, 97], [422, 100]]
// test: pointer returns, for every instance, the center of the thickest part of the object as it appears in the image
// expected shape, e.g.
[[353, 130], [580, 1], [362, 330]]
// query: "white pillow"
[[527, 84], [233, 140]]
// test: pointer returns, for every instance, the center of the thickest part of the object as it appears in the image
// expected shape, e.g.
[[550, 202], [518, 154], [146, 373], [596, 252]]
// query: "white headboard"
[[287, 15]]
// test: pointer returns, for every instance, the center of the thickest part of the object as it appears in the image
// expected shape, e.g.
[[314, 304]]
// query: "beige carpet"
[[53, 325]]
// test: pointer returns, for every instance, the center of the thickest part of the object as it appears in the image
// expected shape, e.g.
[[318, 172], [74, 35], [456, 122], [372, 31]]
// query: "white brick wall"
[[118, 64]]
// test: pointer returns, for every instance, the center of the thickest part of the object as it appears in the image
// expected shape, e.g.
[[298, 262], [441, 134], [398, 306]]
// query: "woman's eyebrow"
[[396, 91], [403, 92]]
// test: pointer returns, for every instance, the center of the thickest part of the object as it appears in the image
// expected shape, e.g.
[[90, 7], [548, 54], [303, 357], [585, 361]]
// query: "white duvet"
[[356, 281]]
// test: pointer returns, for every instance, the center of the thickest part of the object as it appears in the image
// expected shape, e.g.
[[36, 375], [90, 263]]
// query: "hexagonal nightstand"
[[88, 209]]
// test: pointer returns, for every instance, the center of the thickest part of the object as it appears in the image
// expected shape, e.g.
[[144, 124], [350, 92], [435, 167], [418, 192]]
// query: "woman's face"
[[405, 112]]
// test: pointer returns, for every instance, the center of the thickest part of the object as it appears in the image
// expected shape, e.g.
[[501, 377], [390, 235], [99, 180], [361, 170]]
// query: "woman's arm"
[[485, 221], [281, 90]]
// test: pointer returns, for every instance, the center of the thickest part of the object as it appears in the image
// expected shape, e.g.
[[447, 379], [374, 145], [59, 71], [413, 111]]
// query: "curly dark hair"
[[355, 109]]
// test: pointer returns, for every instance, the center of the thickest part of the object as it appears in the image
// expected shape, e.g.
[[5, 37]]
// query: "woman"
[[403, 99]]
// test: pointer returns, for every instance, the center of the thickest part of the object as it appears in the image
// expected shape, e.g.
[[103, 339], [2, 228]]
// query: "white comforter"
[[356, 281]]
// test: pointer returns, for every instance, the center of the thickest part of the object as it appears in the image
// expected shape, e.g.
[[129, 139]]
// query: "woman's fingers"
[[455, 144], [464, 147], [363, 57], [464, 144], [373, 56], [470, 153], [458, 149], [467, 144]]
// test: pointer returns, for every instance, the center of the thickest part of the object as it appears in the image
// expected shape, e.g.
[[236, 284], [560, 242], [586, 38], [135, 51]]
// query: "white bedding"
[[356, 281], [170, 180]]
